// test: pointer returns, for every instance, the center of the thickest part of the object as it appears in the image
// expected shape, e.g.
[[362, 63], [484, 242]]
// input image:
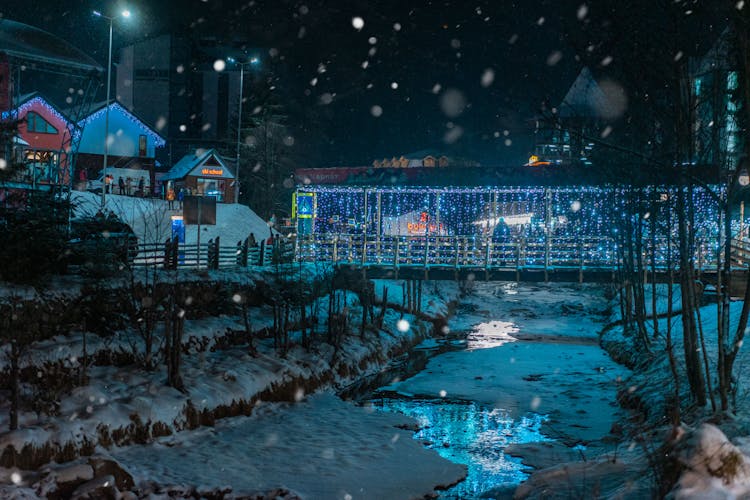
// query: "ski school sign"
[[212, 171]]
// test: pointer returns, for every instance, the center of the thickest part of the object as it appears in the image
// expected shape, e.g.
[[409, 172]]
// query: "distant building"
[[424, 158], [171, 83], [133, 143], [718, 136], [560, 137], [203, 174]]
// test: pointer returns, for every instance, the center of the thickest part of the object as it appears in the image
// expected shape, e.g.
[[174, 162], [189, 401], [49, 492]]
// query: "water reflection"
[[469, 434], [491, 334]]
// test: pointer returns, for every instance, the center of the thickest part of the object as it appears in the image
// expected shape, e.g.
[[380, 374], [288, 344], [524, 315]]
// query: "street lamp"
[[125, 14], [252, 61]]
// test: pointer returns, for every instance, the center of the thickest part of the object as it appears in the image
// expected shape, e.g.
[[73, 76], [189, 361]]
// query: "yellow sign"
[[212, 171]]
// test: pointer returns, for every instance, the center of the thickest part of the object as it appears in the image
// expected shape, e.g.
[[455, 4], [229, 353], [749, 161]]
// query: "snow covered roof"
[[99, 108], [26, 42], [192, 162]]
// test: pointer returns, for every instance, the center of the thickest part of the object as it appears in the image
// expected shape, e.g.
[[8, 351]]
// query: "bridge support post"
[[580, 261], [547, 230], [335, 249]]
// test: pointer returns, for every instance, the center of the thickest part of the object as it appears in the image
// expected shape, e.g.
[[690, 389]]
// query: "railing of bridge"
[[477, 252]]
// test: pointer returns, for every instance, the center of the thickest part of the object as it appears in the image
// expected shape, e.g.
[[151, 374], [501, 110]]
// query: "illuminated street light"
[[252, 61], [125, 14]]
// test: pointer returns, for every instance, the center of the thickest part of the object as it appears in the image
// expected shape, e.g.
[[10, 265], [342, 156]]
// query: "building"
[[715, 80], [561, 136], [133, 144], [202, 173], [47, 139], [171, 83], [424, 158], [44, 134]]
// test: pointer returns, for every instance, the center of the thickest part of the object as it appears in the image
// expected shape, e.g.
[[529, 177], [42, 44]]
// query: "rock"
[[707, 451], [105, 466], [60, 482], [101, 488]]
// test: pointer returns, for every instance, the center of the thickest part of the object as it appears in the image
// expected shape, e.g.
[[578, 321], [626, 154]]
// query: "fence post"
[[217, 246], [364, 249], [426, 250], [580, 261], [168, 254], [262, 254], [487, 252], [456, 246]]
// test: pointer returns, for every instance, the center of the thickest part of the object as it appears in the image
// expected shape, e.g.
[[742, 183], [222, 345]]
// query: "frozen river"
[[530, 371]]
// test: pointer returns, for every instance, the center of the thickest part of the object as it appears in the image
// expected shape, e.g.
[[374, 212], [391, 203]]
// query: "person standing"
[[107, 184], [121, 185], [128, 186], [170, 198], [141, 184]]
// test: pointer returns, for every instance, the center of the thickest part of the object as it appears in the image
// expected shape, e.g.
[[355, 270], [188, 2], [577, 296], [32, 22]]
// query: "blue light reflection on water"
[[469, 434]]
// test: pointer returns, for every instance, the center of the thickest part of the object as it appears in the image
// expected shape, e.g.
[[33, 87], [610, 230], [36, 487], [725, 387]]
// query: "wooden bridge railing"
[[476, 252]]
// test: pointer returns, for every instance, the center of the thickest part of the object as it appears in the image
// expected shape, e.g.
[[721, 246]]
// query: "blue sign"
[[305, 205], [178, 229]]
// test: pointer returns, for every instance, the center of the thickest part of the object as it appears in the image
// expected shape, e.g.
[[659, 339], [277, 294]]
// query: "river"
[[529, 371]]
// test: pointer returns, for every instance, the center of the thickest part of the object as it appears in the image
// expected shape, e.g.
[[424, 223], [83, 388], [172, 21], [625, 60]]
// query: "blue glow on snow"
[[469, 434]]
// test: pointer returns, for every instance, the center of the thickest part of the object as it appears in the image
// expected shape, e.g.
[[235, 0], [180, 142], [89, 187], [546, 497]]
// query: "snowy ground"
[[322, 448], [214, 379], [653, 382], [151, 218]]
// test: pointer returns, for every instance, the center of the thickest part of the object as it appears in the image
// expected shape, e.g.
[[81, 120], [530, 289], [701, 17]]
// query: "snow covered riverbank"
[[529, 348], [123, 404]]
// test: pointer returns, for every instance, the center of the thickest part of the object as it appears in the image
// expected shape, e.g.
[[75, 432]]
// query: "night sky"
[[459, 77]]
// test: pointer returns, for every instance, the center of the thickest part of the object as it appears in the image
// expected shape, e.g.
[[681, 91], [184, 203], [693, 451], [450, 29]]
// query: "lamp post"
[[125, 14], [253, 61]]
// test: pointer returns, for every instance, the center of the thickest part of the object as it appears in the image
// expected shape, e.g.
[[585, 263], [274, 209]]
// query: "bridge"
[[564, 259], [569, 234]]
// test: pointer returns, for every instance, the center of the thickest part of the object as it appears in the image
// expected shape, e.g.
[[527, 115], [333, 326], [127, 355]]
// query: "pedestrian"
[[141, 184], [121, 185], [107, 184], [82, 178], [128, 185], [181, 196], [170, 198]]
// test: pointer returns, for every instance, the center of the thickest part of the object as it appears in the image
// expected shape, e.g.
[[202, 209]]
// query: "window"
[[35, 123], [142, 145]]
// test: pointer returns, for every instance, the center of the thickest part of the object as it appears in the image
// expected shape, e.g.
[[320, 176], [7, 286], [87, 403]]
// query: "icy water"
[[466, 432], [470, 434]]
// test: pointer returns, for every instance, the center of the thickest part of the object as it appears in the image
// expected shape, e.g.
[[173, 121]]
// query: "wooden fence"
[[213, 255]]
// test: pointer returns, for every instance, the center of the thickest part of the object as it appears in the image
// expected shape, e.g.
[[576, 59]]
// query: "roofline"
[[131, 115], [37, 95]]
